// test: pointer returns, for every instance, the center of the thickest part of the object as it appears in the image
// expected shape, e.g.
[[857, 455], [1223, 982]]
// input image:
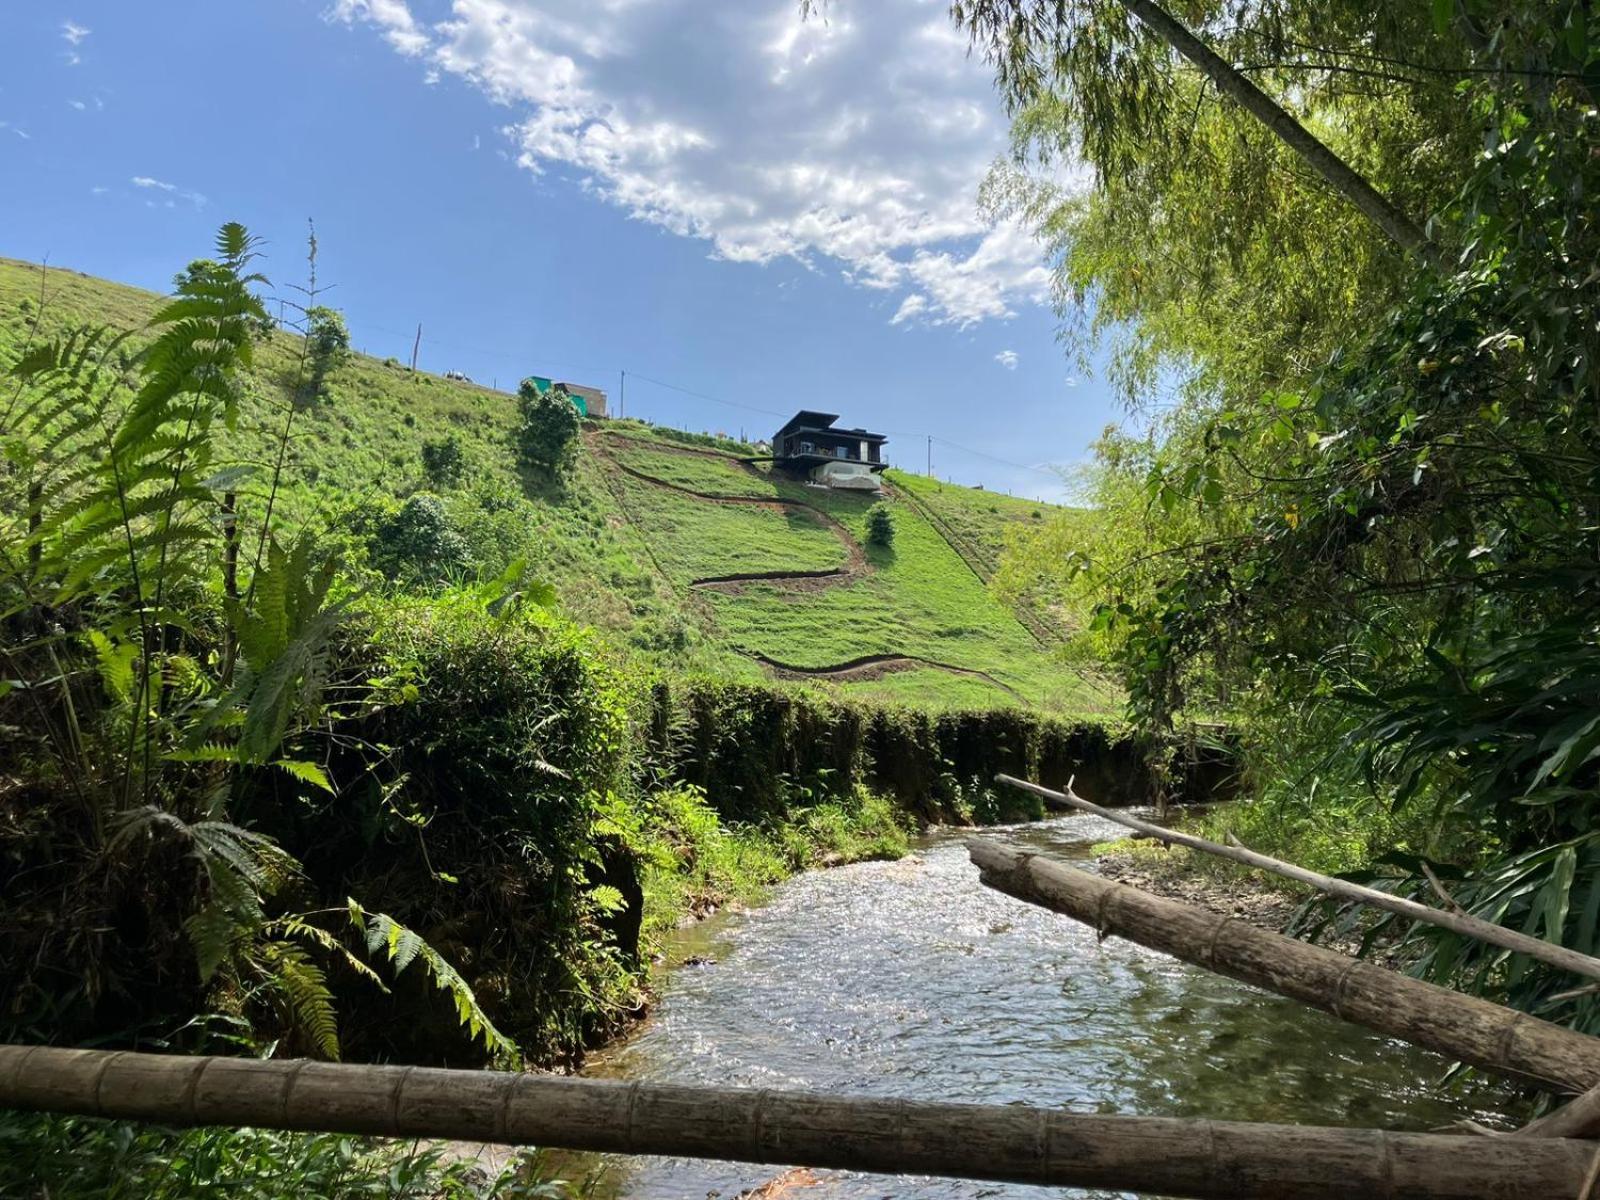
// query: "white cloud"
[[392, 17], [171, 189], [860, 138], [912, 307], [77, 104], [20, 132], [1007, 359], [74, 34]]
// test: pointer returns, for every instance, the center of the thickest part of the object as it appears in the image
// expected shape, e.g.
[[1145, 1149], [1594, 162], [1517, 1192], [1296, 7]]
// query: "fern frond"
[[404, 946], [299, 927], [306, 772], [304, 988]]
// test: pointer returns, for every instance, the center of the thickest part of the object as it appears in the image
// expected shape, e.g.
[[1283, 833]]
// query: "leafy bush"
[[508, 733], [443, 460], [880, 526], [46, 1157], [549, 426], [414, 542]]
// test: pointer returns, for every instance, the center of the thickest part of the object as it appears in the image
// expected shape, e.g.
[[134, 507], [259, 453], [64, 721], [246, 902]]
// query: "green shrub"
[[414, 542], [880, 526], [47, 1157], [508, 734], [549, 426], [327, 340], [443, 460]]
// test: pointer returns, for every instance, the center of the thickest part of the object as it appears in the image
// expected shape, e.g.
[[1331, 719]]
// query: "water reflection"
[[911, 979]]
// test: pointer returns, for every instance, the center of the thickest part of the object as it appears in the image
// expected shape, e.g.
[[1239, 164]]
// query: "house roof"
[[809, 419]]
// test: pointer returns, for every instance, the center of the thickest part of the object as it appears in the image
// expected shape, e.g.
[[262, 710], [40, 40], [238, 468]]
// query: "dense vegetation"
[[302, 756], [1357, 513]]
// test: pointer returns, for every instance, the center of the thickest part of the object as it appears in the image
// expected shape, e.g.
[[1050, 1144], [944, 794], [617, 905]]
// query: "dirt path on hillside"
[[857, 566], [876, 666], [856, 563]]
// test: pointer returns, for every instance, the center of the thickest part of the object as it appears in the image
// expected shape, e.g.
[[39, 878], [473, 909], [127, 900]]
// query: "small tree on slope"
[[880, 526], [549, 426]]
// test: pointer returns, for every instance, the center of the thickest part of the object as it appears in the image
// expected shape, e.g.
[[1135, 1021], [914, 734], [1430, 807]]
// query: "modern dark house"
[[810, 444]]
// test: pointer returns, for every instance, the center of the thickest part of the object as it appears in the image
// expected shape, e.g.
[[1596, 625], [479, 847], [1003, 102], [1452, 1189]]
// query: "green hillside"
[[670, 543]]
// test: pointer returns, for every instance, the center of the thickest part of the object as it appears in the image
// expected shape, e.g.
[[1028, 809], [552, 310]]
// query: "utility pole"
[[930, 455], [416, 346], [622, 397]]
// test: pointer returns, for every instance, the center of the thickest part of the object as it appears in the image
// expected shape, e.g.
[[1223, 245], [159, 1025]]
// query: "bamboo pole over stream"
[[1164, 1155], [1461, 1027], [1468, 926]]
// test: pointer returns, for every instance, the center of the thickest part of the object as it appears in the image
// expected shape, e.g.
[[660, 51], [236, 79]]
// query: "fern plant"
[[153, 677]]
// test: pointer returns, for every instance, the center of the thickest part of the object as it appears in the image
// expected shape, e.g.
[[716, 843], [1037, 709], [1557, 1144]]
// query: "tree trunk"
[[1461, 1027], [1343, 178], [1163, 1155], [1457, 922]]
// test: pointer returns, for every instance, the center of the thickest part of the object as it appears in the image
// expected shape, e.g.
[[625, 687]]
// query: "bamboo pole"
[[1580, 1118], [1238, 86], [1462, 1027], [1164, 1155], [1468, 926]]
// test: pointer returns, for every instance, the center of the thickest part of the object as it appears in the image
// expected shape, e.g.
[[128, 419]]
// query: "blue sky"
[[716, 197]]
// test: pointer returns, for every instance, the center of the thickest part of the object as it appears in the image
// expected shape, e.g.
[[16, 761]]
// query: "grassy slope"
[[919, 599], [620, 550], [985, 520]]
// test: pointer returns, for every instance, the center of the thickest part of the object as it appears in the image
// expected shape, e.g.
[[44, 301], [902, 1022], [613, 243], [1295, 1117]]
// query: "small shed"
[[589, 401]]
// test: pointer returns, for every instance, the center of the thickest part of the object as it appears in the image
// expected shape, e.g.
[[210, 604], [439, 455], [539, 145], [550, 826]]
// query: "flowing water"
[[910, 979]]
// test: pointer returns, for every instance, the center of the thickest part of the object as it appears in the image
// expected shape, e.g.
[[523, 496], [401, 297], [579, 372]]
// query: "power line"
[[699, 395], [1005, 462], [672, 387]]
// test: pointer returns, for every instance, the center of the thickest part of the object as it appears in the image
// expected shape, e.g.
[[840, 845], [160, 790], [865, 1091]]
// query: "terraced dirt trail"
[[876, 666], [856, 562], [857, 566]]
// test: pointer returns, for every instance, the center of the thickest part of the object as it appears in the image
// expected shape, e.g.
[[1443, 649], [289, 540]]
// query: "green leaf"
[[306, 772]]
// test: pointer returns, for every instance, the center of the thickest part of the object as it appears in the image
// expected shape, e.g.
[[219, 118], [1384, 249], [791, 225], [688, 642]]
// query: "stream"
[[911, 979]]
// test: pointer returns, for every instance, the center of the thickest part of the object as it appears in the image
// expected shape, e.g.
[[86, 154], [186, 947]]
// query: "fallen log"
[[1457, 922], [1461, 1027], [1164, 1155], [1580, 1118]]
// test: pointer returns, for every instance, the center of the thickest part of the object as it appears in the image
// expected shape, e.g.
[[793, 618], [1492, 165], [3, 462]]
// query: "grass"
[[697, 472], [622, 552], [697, 539], [986, 521], [695, 863], [920, 600]]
